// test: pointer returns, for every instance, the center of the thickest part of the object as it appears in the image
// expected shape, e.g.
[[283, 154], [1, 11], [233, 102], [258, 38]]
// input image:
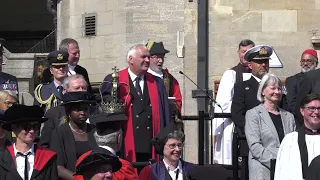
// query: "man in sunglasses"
[[299, 148], [49, 95], [24, 159]]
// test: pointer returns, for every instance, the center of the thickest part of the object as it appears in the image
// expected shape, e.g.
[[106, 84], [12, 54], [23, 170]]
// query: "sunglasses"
[[28, 127]]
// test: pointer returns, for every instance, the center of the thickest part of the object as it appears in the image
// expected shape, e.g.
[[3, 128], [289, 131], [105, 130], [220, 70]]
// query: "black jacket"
[[293, 84], [45, 166]]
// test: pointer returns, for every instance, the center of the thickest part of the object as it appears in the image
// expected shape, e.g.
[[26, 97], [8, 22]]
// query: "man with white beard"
[[308, 62]]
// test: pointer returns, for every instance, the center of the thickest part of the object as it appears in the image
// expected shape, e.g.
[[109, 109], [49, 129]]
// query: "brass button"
[[149, 117], [148, 128], [137, 127], [137, 116]]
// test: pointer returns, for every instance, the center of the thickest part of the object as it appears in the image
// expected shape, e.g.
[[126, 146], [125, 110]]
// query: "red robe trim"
[[42, 156], [176, 91], [130, 153]]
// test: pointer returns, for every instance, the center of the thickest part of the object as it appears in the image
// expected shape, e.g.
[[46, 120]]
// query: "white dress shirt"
[[20, 161], [173, 172], [133, 79], [71, 70], [158, 74]]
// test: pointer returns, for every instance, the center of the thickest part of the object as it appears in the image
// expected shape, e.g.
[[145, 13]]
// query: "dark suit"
[[311, 84], [46, 91], [293, 83], [48, 78], [54, 116]]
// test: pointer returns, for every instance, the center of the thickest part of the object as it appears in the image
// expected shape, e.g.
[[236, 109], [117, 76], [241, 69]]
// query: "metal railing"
[[46, 45]]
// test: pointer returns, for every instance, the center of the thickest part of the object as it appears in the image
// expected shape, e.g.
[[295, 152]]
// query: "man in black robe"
[[24, 159]]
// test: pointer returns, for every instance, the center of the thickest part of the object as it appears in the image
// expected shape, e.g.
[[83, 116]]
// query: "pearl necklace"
[[75, 130]]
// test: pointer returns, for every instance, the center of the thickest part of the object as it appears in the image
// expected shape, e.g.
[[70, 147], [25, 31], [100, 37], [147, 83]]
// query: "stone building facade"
[[284, 24]]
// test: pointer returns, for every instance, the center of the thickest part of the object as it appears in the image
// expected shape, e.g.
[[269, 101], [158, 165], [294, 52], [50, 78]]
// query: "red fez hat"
[[311, 52]]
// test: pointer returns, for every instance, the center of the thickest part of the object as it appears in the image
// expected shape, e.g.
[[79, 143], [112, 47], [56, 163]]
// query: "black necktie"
[[26, 173], [60, 90], [138, 87]]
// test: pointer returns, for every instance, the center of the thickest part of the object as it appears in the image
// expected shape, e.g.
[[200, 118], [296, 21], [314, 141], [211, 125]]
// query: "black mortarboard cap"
[[77, 97], [107, 123], [19, 113]]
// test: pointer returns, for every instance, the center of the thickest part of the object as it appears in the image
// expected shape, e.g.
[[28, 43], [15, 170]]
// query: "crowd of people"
[[72, 133]]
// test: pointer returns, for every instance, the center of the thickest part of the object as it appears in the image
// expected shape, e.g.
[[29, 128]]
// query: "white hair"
[[265, 81], [132, 50], [107, 140]]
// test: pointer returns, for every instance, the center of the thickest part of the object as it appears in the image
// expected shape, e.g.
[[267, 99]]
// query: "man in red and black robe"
[[146, 105]]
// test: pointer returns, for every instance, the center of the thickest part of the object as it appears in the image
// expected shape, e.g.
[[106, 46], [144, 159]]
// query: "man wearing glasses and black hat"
[[49, 95], [25, 160], [157, 56]]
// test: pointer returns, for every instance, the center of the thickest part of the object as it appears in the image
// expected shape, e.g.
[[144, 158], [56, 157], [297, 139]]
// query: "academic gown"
[[127, 171], [159, 104], [288, 164], [158, 171], [63, 142], [45, 166]]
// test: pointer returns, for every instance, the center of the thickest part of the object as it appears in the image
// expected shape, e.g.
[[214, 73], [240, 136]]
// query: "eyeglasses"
[[28, 127], [157, 57], [9, 103], [308, 61], [313, 108], [173, 146]]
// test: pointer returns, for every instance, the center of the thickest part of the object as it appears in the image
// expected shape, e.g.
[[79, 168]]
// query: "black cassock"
[[313, 171], [45, 166]]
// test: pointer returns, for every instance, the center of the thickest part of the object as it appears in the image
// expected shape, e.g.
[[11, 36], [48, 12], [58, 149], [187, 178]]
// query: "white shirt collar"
[[56, 84], [169, 169], [71, 67], [158, 74], [133, 76], [259, 80], [16, 150], [109, 149]]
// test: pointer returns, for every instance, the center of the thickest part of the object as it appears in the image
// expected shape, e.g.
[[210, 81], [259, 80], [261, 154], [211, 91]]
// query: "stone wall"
[[283, 24]]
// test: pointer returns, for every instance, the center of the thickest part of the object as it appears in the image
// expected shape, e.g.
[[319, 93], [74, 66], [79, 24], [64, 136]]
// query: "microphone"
[[212, 100]]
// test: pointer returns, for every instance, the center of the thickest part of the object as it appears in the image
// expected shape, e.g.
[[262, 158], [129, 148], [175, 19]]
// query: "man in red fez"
[[308, 62]]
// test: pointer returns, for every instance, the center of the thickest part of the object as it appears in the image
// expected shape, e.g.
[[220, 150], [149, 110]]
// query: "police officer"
[[49, 95], [7, 81]]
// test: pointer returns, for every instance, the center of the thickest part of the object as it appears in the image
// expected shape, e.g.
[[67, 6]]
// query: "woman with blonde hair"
[[266, 125], [7, 99]]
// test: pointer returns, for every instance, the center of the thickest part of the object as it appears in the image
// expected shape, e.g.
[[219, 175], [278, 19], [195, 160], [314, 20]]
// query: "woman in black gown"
[[74, 136]]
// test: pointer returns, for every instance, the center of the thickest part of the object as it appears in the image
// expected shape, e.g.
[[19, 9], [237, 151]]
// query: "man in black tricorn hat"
[[24, 159], [7, 81], [109, 138], [95, 165], [157, 56], [49, 95], [169, 144]]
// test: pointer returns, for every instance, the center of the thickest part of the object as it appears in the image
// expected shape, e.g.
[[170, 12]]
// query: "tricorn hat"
[[18, 113], [96, 157], [58, 58], [156, 48], [259, 52], [77, 97]]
